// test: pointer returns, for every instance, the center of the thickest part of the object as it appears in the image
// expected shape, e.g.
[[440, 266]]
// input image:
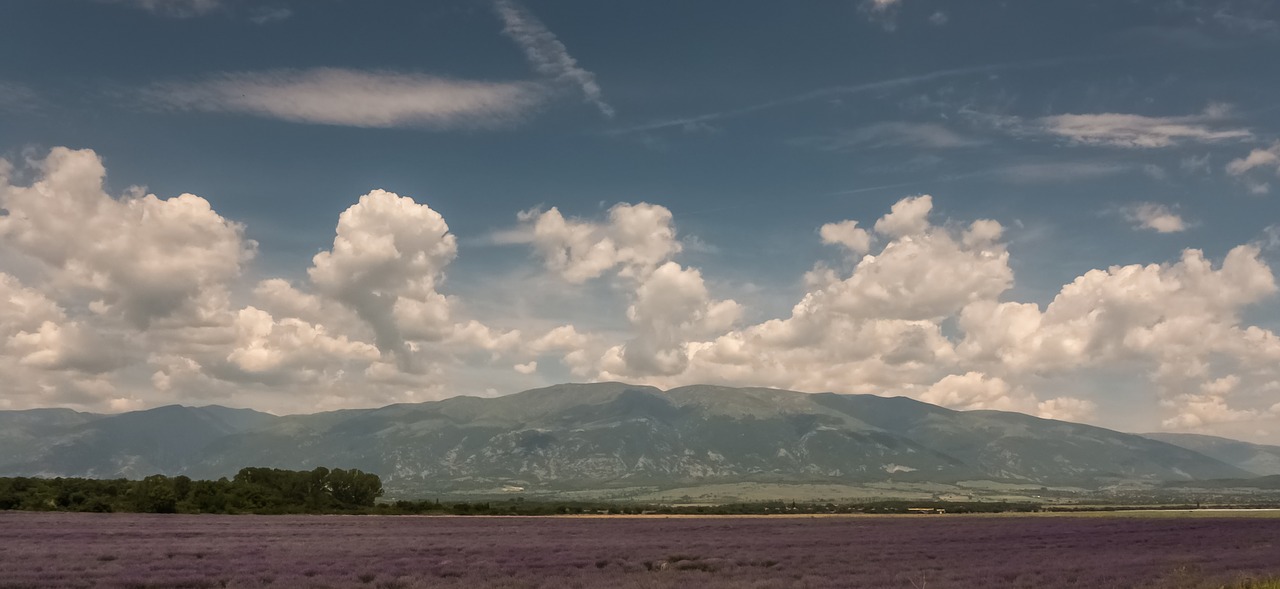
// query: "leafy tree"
[[354, 488], [154, 494]]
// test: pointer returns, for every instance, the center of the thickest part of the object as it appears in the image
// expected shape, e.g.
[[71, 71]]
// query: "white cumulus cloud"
[[923, 315], [974, 390], [670, 304], [264, 344], [140, 255], [117, 301], [1067, 409], [387, 259], [1155, 217], [635, 239], [1258, 160], [127, 301], [846, 233]]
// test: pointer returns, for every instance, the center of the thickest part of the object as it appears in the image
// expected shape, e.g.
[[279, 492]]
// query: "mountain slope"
[[1256, 458], [24, 433], [617, 435], [131, 445], [611, 434], [1268, 483]]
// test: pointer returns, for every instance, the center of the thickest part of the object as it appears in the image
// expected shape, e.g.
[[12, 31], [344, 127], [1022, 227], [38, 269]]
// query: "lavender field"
[[938, 552]]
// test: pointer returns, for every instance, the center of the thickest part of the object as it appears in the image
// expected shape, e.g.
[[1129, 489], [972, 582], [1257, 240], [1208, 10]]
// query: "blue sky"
[[643, 192]]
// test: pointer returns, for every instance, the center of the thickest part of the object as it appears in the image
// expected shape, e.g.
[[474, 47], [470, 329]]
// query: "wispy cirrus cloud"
[[258, 13], [351, 98], [1139, 132], [17, 97], [268, 14], [1036, 173], [173, 8], [547, 54], [1270, 239], [885, 14], [1123, 130], [881, 12], [700, 121], [1234, 17], [891, 134]]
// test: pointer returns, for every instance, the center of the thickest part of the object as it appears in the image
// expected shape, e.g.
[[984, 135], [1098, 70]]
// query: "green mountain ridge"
[[1258, 459], [607, 435]]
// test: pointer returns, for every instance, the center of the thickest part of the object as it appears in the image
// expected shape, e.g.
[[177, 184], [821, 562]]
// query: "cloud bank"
[[132, 300]]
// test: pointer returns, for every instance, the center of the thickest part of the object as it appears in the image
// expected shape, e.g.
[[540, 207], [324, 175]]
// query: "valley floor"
[[1175, 550]]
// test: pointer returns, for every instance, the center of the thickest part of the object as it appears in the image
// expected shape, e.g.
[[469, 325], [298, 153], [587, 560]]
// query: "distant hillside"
[[1266, 483], [26, 434], [592, 436], [132, 445], [1255, 458]]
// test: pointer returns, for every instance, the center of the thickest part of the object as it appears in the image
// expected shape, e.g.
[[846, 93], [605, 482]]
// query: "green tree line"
[[252, 490], [276, 491]]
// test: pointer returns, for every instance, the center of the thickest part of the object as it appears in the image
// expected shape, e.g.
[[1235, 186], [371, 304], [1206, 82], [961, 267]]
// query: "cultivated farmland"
[[939, 552]]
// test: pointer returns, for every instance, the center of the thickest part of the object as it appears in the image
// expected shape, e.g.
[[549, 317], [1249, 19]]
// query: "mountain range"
[[612, 435], [1258, 459]]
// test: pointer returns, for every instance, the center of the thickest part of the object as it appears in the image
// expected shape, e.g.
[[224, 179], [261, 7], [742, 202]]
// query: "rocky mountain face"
[[1258, 459], [594, 436]]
